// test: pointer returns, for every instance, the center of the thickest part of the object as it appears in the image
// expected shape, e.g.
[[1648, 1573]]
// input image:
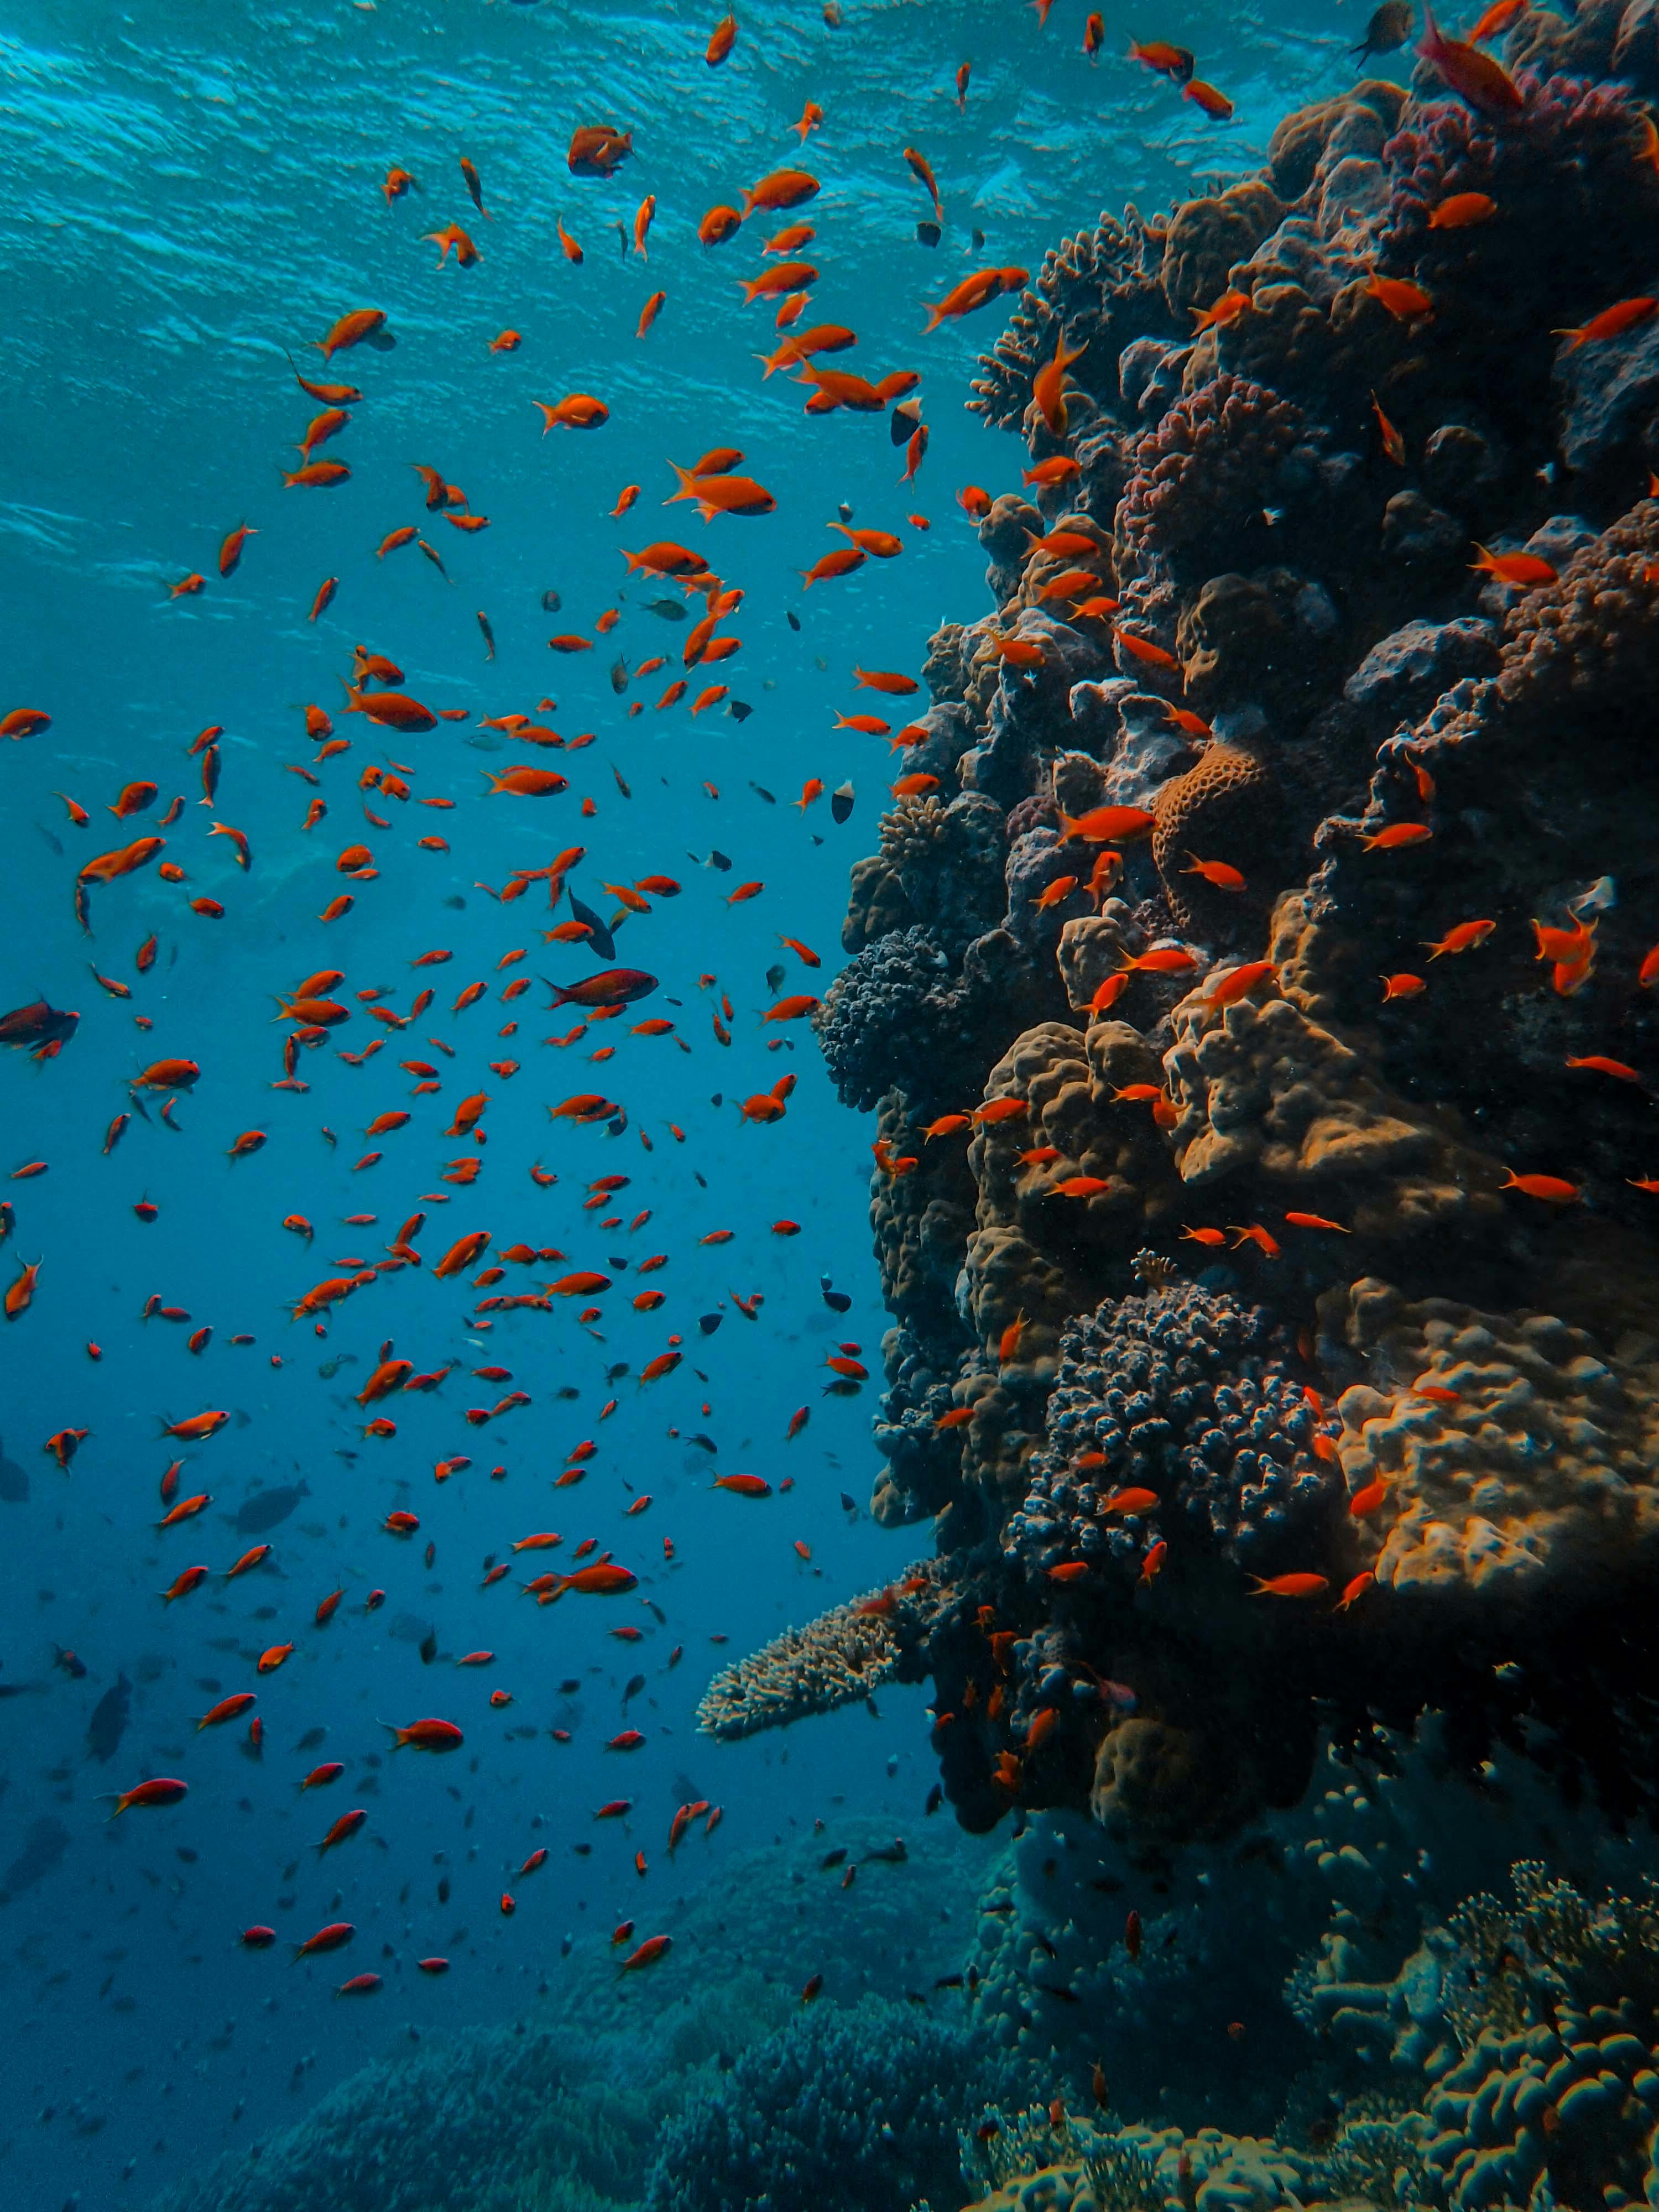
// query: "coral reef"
[[856, 2108], [1256, 1010]]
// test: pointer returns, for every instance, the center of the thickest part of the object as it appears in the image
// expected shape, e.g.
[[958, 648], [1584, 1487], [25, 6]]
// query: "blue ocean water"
[[196, 197]]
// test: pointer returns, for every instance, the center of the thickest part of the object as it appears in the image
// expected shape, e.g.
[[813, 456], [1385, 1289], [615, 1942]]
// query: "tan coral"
[[1263, 1089], [1035, 1252], [1069, 1081], [1207, 236], [1225, 808], [1155, 1783], [876, 905], [1540, 1474], [1093, 948], [1313, 958]]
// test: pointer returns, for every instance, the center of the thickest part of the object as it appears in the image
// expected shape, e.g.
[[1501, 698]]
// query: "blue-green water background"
[[188, 189]]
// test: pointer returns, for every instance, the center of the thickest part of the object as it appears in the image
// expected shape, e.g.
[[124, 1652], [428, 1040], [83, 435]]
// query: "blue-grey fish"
[[267, 1507], [108, 1723], [599, 938], [14, 1482]]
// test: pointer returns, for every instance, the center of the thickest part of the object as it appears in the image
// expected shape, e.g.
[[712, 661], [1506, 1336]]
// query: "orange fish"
[[1612, 323], [1603, 1066], [973, 292], [784, 188], [1223, 312], [1216, 105], [1405, 301], [1551, 1189], [1463, 209], [467, 253], [1488, 88], [577, 410], [1393, 444], [1290, 1586]]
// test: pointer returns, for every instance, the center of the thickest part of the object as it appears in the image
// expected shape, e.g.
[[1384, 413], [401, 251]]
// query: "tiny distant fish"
[[617, 1370], [841, 803], [928, 233], [738, 709], [408, 1628], [50, 839], [763, 792], [428, 1647], [635, 1684], [979, 240], [670, 609], [108, 1723], [619, 675], [775, 976], [707, 1443], [551, 602], [837, 1301], [793, 620], [14, 1482], [1601, 896], [311, 1739], [267, 1507], [848, 1505], [44, 1844], [710, 1322], [719, 861]]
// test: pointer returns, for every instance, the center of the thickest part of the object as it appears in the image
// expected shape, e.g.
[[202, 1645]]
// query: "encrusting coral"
[[1257, 1006]]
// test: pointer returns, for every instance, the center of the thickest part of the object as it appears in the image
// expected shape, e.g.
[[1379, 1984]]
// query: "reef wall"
[[1251, 988]]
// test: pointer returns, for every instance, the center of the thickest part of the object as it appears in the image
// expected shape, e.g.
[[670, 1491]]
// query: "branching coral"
[[839, 1659], [1184, 1394], [1105, 281]]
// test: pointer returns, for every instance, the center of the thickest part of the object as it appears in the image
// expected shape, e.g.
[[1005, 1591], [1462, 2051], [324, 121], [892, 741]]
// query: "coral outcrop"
[[1259, 1010]]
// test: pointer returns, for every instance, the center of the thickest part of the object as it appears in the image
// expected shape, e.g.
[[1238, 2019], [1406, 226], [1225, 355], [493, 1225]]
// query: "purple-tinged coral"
[[1205, 474], [1185, 1393]]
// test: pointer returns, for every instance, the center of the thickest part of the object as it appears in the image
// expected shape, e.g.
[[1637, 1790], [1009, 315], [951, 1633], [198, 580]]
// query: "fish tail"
[[688, 484]]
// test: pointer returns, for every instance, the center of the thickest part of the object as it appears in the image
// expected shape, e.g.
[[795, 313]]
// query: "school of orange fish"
[[312, 1012]]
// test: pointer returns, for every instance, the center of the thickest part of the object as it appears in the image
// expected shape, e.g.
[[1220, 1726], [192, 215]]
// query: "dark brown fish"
[[1389, 28]]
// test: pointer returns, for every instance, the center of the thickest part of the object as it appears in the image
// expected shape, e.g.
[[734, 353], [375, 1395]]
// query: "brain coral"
[[1260, 1087], [1537, 1470]]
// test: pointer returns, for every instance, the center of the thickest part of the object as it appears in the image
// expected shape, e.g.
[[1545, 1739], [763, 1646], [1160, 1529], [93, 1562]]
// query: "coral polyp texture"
[[1256, 1007]]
